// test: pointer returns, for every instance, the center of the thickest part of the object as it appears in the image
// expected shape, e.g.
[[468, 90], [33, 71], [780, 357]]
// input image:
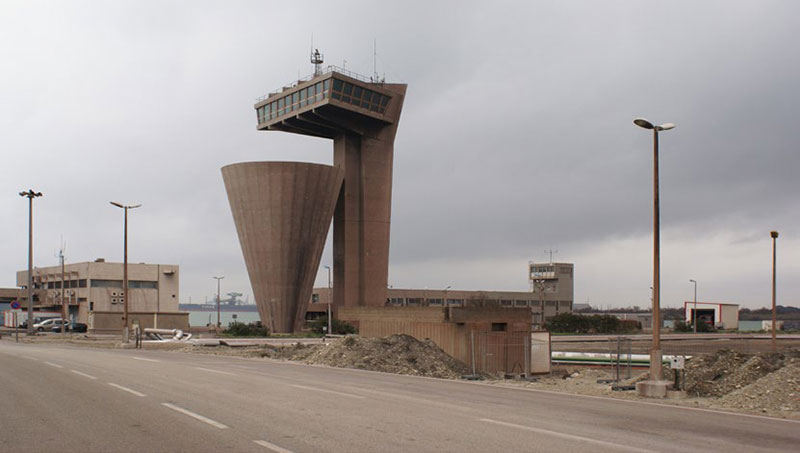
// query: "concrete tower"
[[361, 116], [282, 212]]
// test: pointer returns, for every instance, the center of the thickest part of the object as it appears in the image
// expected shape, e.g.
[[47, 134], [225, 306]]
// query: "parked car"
[[72, 327], [48, 324], [37, 320]]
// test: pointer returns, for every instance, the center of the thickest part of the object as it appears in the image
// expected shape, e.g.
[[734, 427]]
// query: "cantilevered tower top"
[[328, 104]]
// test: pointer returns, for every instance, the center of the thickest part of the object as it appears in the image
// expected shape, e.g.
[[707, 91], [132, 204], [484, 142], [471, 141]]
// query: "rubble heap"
[[400, 354], [726, 370]]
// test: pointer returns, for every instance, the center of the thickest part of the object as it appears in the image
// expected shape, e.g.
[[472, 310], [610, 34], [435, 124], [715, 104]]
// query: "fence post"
[[527, 351], [472, 338]]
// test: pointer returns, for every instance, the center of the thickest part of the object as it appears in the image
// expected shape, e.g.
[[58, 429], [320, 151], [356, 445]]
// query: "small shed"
[[721, 315], [491, 340]]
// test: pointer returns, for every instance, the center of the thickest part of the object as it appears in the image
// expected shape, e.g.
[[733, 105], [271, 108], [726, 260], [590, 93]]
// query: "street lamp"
[[125, 329], [694, 313], [30, 195], [330, 322], [655, 353], [219, 323], [774, 235]]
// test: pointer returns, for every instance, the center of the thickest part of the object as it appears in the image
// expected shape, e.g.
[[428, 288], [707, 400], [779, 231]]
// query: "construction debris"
[[400, 354], [726, 370]]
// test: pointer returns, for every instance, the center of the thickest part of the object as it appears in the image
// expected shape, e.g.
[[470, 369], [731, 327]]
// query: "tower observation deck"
[[361, 116]]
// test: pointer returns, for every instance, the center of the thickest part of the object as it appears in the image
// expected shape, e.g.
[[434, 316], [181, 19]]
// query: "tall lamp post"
[[125, 324], [655, 353], [30, 195], [694, 313], [330, 322], [219, 323], [774, 235]]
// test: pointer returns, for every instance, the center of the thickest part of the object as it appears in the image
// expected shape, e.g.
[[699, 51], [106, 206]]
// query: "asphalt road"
[[58, 398]]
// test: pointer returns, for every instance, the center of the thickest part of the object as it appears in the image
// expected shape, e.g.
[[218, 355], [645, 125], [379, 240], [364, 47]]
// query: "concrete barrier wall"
[[111, 321]]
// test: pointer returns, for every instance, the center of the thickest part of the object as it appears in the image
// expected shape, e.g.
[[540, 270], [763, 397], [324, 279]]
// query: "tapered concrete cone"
[[282, 211]]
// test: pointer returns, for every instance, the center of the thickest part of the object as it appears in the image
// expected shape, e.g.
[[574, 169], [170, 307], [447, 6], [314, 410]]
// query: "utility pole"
[[30, 195], [64, 306], [694, 314], [125, 323], [219, 323], [656, 372], [774, 235]]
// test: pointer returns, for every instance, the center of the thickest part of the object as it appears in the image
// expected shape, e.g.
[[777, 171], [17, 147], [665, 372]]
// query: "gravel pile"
[[777, 393], [399, 354], [725, 371]]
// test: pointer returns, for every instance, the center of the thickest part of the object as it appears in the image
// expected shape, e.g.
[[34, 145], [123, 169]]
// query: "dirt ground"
[[762, 383]]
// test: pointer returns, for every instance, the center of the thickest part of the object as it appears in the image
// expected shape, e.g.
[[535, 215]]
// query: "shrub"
[[572, 323], [681, 326], [337, 326], [240, 329]]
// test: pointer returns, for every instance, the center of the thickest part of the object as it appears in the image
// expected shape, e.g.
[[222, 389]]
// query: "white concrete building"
[[723, 316]]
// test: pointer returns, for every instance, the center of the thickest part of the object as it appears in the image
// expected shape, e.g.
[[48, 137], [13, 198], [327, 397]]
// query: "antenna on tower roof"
[[375, 77], [316, 58], [551, 252]]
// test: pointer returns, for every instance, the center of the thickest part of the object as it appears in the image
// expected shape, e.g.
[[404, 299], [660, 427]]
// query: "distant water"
[[750, 326], [201, 318]]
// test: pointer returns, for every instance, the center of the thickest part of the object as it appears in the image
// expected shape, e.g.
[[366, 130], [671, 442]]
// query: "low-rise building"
[[723, 316], [95, 288], [543, 305]]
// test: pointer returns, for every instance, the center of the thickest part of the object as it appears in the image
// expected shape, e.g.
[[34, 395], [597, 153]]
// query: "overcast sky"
[[516, 136]]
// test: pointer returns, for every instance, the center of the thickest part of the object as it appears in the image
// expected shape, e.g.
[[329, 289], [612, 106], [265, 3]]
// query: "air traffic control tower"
[[360, 115]]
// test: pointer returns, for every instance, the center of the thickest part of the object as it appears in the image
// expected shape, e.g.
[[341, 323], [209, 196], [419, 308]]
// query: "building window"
[[499, 326], [506, 303], [106, 283], [142, 284], [91, 306], [520, 303], [414, 301], [314, 298], [359, 96], [435, 301], [457, 302]]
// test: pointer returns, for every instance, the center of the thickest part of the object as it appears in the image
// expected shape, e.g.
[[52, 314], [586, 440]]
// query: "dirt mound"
[[725, 371], [400, 354], [776, 392]]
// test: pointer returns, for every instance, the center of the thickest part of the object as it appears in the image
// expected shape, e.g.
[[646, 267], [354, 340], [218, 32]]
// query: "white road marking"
[[146, 360], [213, 423], [612, 445], [83, 374], [272, 447], [126, 389], [54, 364], [216, 371], [350, 395]]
